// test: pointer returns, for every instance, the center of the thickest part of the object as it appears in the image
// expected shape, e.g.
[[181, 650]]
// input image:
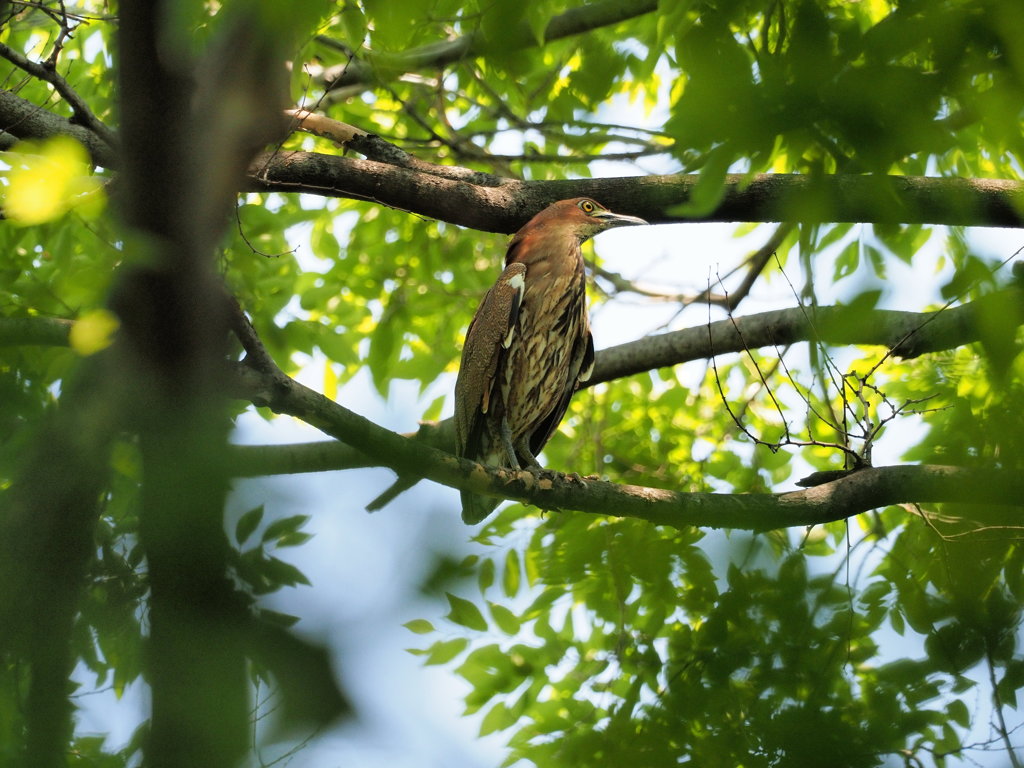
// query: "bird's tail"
[[475, 508]]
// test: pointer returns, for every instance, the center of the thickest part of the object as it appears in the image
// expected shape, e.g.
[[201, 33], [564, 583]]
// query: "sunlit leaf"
[[465, 613], [47, 179], [93, 332]]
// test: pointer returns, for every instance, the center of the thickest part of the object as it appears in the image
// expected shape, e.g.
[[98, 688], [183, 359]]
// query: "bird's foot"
[[537, 471], [540, 473], [575, 477]]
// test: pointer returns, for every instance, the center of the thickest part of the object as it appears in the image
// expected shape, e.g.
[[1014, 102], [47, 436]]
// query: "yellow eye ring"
[[586, 206]]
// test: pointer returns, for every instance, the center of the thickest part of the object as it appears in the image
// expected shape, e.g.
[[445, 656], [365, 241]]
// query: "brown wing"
[[575, 324], [580, 366], [489, 335]]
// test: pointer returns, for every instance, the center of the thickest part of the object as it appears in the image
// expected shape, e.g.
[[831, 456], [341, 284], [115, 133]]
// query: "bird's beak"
[[610, 219]]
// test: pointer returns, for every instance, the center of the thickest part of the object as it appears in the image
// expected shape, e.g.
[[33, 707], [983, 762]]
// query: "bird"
[[529, 345]]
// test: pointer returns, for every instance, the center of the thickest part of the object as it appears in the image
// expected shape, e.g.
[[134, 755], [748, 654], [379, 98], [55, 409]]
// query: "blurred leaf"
[[504, 618], [284, 526], [443, 652], [465, 613], [510, 581], [248, 523], [419, 626], [48, 178], [93, 331]]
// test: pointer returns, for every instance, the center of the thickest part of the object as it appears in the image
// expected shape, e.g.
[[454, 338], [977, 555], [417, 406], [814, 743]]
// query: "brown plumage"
[[529, 344]]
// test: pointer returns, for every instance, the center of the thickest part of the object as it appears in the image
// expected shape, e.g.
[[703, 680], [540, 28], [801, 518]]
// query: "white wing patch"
[[519, 284]]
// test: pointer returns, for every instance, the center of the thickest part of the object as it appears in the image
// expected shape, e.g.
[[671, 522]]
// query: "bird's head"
[[580, 217]]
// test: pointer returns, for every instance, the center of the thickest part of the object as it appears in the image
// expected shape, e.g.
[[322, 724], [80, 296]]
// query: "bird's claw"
[[575, 477], [537, 471]]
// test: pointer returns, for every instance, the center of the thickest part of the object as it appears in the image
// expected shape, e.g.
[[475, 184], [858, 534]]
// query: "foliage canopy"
[[873, 618]]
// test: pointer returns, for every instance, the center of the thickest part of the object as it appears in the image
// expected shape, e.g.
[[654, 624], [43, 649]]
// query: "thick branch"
[[574, 21], [851, 495], [48, 73], [497, 204], [34, 331], [906, 334], [26, 120]]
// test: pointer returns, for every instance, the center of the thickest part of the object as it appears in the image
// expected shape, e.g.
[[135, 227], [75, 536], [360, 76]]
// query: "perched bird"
[[529, 344]]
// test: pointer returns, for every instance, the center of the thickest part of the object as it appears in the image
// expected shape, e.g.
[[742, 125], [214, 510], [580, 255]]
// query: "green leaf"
[[498, 718], [278, 618], [847, 260], [464, 613], [511, 577], [506, 620], [485, 574], [444, 651], [419, 626], [538, 15], [709, 190], [957, 712], [248, 523], [280, 572], [283, 527], [433, 411], [295, 539]]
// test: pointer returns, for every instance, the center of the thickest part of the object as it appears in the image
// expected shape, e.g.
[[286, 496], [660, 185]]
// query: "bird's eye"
[[586, 206]]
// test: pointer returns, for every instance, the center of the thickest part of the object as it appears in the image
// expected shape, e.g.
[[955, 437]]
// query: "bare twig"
[[47, 72], [997, 706], [755, 264]]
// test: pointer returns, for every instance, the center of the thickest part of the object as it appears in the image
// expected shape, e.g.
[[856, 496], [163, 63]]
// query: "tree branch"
[[500, 204], [34, 331], [47, 72], [574, 21], [906, 334], [842, 498], [26, 120], [754, 263]]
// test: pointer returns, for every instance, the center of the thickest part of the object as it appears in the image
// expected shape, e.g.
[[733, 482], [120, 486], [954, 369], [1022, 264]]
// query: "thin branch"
[[574, 21], [997, 705], [47, 72], [320, 125], [755, 264], [27, 6]]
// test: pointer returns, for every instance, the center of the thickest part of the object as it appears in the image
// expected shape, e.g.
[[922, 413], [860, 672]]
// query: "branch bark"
[[842, 498], [500, 204], [493, 203], [26, 120], [906, 334]]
